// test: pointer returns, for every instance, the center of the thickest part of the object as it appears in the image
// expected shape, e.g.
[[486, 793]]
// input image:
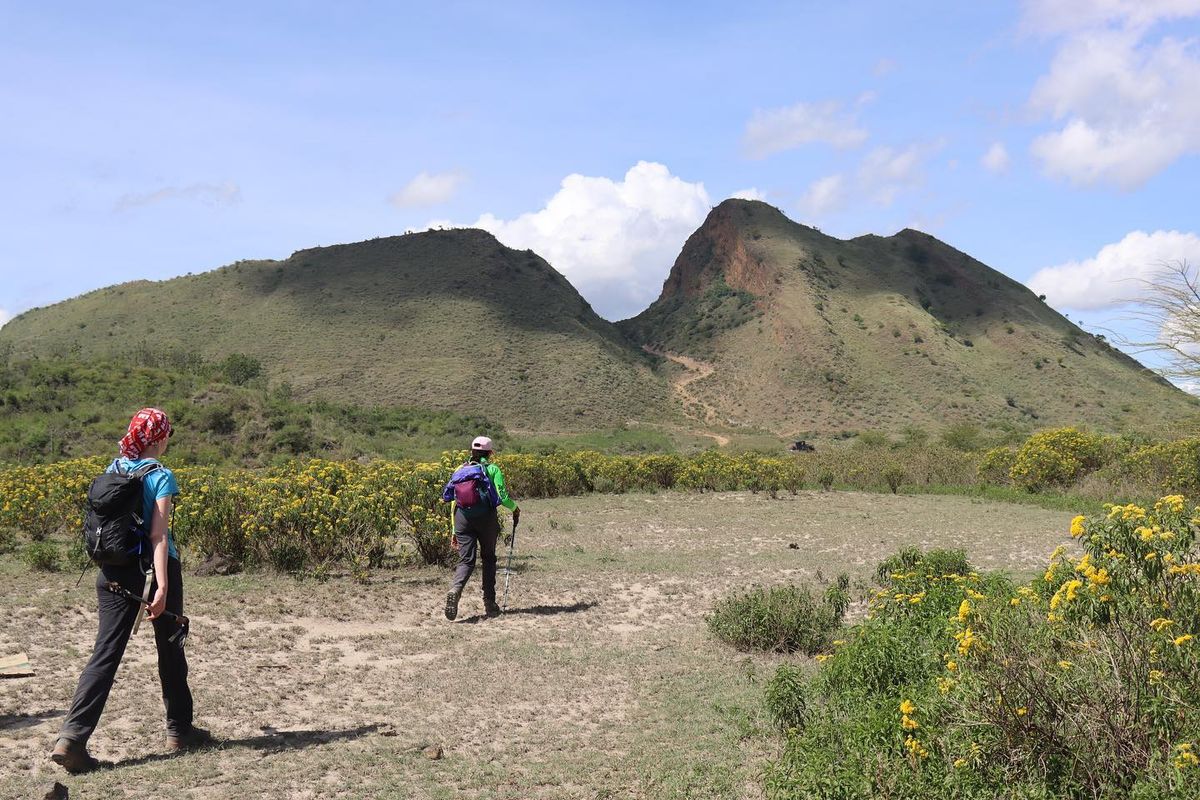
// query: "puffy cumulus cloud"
[[1117, 274], [996, 159], [749, 194], [824, 195], [428, 189], [213, 194], [1124, 101], [774, 130], [614, 240]]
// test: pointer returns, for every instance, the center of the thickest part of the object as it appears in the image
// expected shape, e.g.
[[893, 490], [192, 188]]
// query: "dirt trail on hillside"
[[696, 370]]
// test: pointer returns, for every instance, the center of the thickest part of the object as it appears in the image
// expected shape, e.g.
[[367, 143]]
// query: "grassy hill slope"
[[448, 320], [809, 334], [52, 408]]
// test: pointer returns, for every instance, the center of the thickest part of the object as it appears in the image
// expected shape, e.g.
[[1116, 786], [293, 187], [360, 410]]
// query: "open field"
[[601, 682]]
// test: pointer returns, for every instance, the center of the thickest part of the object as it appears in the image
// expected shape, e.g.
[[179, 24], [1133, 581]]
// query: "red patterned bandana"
[[147, 427]]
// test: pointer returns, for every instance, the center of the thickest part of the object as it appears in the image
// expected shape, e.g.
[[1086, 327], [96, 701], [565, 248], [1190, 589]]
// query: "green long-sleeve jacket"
[[497, 478]]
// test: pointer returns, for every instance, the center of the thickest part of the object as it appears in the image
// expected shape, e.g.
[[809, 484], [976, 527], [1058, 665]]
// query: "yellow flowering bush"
[[1084, 682], [1056, 457], [1165, 466], [45, 498]]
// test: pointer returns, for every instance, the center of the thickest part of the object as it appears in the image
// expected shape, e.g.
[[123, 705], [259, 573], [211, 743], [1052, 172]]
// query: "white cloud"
[[1190, 386], [213, 194], [996, 159], [1115, 275], [882, 175], [824, 195], [1063, 16], [885, 171], [749, 194], [1124, 102], [5, 316], [778, 129], [614, 240], [428, 189]]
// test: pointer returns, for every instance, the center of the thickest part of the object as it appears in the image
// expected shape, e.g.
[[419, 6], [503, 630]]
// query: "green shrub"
[[826, 478], [782, 619], [784, 699], [8, 539], [77, 555], [930, 564], [42, 556], [996, 466], [239, 368], [962, 436], [893, 475]]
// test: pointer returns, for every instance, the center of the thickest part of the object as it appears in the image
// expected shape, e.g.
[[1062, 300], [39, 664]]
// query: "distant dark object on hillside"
[[802, 446]]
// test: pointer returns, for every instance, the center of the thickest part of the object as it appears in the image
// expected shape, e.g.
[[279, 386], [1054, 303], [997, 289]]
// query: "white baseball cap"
[[482, 443]]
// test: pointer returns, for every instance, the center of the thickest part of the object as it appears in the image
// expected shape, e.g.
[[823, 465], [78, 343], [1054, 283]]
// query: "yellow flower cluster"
[[966, 640], [1127, 513], [908, 711], [915, 748], [1077, 528]]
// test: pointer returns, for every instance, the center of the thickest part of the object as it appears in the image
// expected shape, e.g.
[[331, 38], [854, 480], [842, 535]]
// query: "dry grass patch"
[[601, 682]]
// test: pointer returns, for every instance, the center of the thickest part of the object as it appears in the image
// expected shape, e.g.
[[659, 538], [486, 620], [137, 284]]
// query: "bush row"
[[316, 511], [1083, 683]]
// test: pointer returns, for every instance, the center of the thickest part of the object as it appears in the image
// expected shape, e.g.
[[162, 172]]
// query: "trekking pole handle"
[[121, 591]]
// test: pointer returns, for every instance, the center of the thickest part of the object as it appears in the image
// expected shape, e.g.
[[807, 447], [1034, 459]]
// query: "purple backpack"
[[471, 490]]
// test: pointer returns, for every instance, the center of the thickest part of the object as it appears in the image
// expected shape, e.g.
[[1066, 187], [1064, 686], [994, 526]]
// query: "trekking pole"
[[508, 566], [183, 622]]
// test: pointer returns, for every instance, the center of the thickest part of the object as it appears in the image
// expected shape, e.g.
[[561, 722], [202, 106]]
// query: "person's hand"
[[453, 542], [159, 604], [516, 515]]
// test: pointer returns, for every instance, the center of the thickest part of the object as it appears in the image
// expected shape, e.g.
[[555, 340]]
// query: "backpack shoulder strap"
[[146, 469]]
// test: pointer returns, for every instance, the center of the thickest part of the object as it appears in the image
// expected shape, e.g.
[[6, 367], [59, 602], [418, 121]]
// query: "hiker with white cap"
[[477, 489]]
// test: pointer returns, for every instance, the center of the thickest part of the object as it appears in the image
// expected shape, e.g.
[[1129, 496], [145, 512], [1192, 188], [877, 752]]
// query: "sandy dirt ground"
[[601, 681]]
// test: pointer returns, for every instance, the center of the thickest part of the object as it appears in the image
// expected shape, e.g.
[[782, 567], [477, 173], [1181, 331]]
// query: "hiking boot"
[[195, 738], [73, 757], [491, 608], [452, 605]]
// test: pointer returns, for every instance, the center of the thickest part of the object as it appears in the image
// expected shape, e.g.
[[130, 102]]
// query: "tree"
[[1169, 318]]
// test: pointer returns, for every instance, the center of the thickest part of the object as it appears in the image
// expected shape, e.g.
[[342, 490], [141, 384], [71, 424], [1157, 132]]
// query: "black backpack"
[[114, 532]]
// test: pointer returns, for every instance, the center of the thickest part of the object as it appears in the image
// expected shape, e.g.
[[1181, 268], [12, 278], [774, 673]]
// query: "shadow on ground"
[[19, 721], [537, 611], [270, 742]]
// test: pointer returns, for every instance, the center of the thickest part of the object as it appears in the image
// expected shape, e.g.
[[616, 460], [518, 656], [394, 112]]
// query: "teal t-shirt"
[[156, 485]]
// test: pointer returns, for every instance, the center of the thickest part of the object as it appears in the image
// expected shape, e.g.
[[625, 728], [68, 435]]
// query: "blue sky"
[[1055, 140]]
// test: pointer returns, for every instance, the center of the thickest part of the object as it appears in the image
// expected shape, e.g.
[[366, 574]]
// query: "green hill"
[[55, 408], [804, 334], [765, 329], [446, 320]]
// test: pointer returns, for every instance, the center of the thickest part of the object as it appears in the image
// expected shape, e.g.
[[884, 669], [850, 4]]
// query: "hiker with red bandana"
[[143, 444]]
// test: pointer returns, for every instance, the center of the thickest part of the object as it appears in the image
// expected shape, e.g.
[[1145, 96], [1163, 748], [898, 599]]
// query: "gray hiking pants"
[[117, 616], [476, 535]]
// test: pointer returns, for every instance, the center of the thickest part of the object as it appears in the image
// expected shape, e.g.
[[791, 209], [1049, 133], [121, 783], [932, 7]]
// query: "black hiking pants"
[[476, 535], [117, 616]]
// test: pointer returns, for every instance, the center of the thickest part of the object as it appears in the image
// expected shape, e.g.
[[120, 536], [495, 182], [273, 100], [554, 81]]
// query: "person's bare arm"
[[158, 545]]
